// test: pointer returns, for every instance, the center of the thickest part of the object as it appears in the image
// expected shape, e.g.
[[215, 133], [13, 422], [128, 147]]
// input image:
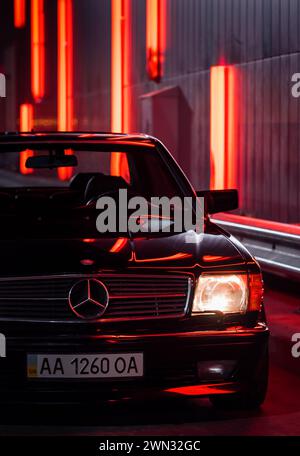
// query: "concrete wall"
[[261, 38]]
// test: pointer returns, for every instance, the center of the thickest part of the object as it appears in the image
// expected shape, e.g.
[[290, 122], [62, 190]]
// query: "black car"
[[89, 315]]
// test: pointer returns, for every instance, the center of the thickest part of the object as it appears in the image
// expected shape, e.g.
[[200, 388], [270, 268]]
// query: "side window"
[[150, 176]]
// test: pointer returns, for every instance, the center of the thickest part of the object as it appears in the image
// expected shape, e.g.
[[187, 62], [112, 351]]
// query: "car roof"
[[84, 136]]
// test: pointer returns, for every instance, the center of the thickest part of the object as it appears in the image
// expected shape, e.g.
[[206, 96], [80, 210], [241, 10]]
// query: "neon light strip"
[[65, 64], [271, 228], [26, 124], [64, 72], [116, 66], [222, 127], [120, 68], [19, 13], [155, 37], [126, 64], [217, 126], [37, 49], [152, 42], [231, 155]]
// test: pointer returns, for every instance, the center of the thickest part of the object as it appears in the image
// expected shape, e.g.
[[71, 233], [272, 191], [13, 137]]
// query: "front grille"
[[130, 297]]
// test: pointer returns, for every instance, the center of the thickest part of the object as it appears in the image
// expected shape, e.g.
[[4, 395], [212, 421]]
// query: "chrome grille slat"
[[45, 298]]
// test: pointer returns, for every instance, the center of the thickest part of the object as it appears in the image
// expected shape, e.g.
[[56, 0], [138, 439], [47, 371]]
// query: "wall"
[[261, 38]]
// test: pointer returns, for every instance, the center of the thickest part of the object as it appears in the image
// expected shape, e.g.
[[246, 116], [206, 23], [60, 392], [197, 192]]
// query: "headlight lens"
[[227, 293]]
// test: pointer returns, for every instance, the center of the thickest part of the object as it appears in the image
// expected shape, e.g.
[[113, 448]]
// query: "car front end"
[[90, 317]]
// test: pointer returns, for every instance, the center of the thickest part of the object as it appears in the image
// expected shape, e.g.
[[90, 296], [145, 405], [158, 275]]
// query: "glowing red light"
[[213, 258], [259, 223], [231, 152], [222, 127], [118, 245], [155, 38], [26, 124], [119, 166], [176, 256], [37, 49], [120, 79], [120, 65], [256, 291], [199, 390], [65, 73], [116, 65], [87, 262], [19, 13]]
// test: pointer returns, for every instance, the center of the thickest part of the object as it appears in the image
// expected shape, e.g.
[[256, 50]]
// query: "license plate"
[[117, 365]]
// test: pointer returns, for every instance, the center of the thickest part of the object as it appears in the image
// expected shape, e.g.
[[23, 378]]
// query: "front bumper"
[[173, 361]]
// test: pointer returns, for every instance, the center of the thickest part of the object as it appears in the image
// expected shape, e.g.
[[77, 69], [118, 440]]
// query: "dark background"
[[259, 37]]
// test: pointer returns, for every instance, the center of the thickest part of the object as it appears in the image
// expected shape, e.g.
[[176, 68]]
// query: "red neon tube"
[[231, 144], [19, 13], [222, 127], [37, 49], [26, 124], [120, 78], [155, 38], [116, 66], [65, 72]]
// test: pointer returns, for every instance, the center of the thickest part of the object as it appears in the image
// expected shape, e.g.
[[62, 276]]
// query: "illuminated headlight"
[[227, 293]]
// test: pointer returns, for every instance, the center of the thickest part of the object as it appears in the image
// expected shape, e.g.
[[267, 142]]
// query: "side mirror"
[[219, 200]]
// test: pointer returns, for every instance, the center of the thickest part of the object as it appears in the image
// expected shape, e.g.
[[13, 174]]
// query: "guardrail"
[[275, 245]]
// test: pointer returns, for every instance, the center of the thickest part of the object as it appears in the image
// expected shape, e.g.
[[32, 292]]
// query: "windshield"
[[76, 189], [142, 172]]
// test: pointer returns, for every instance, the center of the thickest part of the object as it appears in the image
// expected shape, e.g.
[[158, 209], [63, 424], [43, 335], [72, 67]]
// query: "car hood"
[[183, 251]]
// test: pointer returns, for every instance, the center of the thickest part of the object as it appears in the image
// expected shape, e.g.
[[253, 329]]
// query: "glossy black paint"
[[171, 348]]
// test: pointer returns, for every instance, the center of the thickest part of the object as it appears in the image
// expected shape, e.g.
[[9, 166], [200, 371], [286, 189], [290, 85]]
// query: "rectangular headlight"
[[227, 293]]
